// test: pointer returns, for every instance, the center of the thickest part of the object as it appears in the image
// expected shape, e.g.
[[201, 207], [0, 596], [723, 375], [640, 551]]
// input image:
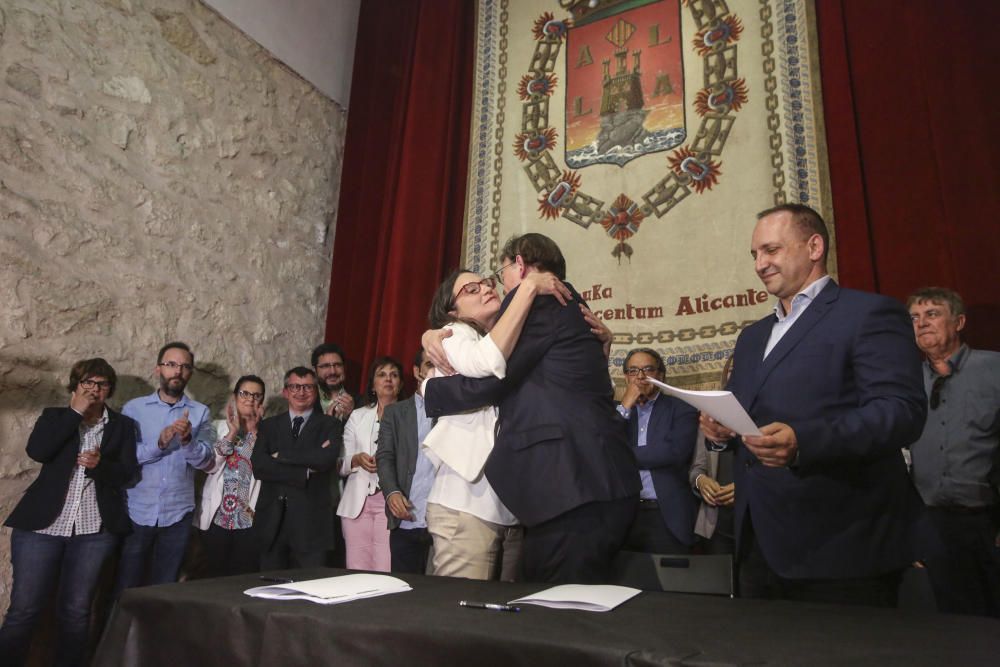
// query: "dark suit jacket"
[[846, 377], [55, 443], [287, 493], [397, 451], [559, 442], [670, 440]]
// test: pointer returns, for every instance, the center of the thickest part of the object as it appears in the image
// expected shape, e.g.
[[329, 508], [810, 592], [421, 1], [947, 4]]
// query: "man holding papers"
[[824, 508]]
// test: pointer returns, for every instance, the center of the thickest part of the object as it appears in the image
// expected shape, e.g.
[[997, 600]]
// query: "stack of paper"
[[580, 596], [721, 406], [332, 590]]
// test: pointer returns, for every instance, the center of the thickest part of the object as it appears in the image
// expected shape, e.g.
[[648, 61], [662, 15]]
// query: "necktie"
[[296, 427]]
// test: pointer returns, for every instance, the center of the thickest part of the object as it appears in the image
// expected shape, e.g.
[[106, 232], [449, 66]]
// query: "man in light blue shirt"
[[662, 431], [175, 438], [406, 475]]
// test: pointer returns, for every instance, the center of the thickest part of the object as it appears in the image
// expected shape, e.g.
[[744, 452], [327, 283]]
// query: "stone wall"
[[161, 177]]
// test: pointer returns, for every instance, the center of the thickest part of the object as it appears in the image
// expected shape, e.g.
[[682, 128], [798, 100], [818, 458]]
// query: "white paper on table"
[[721, 406], [580, 596], [332, 590]]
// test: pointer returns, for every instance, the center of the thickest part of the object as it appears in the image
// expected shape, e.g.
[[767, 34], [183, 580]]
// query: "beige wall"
[[161, 177]]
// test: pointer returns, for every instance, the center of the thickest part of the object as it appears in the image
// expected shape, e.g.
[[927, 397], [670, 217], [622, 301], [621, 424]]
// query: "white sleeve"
[[351, 444], [473, 356]]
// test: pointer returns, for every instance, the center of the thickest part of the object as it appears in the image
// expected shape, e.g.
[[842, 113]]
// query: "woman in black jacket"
[[69, 521]]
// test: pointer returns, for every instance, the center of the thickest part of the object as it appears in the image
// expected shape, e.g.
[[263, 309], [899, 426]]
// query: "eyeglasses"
[[474, 288], [173, 365], [329, 365], [296, 388], [935, 398], [477, 287], [499, 272], [632, 371], [95, 384], [255, 395]]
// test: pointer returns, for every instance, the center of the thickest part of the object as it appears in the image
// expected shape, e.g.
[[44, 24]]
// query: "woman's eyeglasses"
[[474, 288], [255, 395]]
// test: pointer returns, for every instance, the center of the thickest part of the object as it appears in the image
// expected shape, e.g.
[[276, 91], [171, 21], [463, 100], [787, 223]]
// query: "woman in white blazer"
[[362, 506], [226, 511], [474, 535]]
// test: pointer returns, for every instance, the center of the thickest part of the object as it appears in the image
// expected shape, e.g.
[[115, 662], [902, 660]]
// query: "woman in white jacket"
[[225, 514], [474, 535], [362, 506]]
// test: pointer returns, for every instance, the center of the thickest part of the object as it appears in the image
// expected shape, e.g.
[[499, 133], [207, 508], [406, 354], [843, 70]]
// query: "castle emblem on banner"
[[624, 99], [624, 85]]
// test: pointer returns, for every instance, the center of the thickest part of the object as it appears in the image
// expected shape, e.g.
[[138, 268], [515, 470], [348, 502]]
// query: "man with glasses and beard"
[[334, 400], [956, 461], [328, 362], [175, 438]]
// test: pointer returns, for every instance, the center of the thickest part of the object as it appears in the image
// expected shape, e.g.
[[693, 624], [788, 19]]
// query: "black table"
[[211, 622]]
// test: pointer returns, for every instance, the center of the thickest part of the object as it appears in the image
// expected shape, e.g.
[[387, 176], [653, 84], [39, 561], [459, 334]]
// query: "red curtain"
[[399, 222], [910, 100]]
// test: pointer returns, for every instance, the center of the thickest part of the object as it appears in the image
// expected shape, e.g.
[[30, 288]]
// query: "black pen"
[[493, 606], [277, 580]]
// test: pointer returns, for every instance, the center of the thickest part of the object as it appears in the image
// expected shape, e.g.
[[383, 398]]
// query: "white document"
[[332, 590], [580, 596], [721, 406]]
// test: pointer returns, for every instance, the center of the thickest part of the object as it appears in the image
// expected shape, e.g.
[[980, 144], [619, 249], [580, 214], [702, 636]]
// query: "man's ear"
[[815, 244]]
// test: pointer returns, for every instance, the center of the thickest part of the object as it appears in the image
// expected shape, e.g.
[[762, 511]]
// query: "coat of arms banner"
[[644, 136]]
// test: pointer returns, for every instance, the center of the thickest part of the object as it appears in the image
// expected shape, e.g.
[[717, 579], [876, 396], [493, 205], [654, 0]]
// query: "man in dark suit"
[[662, 431], [561, 462], [824, 509], [293, 458], [406, 475]]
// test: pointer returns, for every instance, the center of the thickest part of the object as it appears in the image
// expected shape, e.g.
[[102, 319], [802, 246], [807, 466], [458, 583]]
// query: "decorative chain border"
[[681, 335], [771, 101], [498, 134]]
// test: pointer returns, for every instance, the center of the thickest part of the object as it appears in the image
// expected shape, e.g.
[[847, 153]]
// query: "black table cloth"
[[211, 622]]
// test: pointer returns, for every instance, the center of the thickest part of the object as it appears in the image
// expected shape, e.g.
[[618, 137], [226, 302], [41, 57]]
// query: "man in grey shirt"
[[957, 458]]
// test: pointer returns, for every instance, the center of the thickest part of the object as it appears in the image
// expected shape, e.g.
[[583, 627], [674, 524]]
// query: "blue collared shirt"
[[423, 475], [800, 302], [644, 412], [165, 493]]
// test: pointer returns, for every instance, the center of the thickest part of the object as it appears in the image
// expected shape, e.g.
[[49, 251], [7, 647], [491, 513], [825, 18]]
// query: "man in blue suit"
[[824, 509], [662, 431], [560, 462]]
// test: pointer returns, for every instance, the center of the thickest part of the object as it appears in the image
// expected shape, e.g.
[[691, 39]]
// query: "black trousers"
[[229, 552], [964, 571], [649, 532], [409, 548], [282, 555], [577, 546], [758, 580]]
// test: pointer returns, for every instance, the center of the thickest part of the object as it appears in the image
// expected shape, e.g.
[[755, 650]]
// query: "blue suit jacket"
[[846, 377], [559, 441], [670, 440]]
